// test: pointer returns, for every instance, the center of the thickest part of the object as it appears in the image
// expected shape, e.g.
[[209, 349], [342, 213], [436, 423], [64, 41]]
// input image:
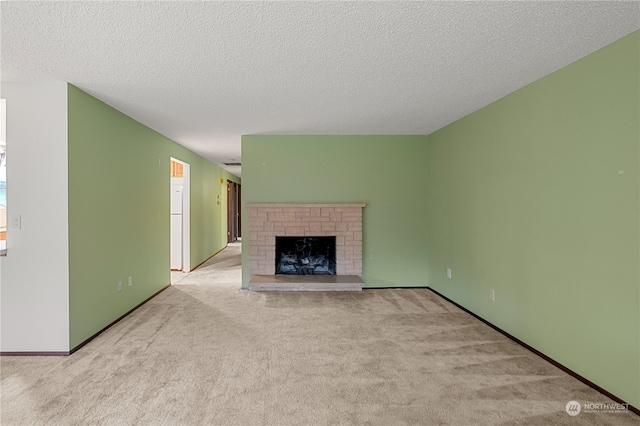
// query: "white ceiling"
[[205, 73]]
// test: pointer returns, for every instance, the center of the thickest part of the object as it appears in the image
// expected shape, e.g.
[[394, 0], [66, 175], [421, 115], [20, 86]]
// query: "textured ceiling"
[[205, 73]]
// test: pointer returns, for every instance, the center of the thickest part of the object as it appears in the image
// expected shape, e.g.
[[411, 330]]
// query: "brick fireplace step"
[[305, 283]]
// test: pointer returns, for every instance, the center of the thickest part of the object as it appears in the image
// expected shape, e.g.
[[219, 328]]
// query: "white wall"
[[34, 276]]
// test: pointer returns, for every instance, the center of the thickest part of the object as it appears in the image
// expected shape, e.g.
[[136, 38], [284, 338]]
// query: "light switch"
[[16, 221]]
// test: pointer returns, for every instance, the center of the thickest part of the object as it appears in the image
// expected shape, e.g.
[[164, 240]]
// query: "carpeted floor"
[[204, 352]]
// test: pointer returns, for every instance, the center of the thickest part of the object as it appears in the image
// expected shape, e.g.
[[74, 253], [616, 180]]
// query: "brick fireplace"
[[344, 221]]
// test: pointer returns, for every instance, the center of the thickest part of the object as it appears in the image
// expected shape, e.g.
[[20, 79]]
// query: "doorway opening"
[[234, 230], [180, 216]]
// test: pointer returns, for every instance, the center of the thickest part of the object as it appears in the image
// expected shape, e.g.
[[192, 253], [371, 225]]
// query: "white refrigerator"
[[176, 227]]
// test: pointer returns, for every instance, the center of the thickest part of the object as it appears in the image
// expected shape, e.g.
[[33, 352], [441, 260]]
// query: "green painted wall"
[[119, 179], [537, 196], [385, 172]]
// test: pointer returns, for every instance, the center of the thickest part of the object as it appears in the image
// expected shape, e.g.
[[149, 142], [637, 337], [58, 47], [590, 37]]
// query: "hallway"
[[222, 270]]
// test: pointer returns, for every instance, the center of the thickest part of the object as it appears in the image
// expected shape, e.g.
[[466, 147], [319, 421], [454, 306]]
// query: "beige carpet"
[[204, 352]]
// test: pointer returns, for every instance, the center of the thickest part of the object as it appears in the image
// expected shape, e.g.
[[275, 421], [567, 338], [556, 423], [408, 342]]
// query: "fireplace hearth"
[[306, 255]]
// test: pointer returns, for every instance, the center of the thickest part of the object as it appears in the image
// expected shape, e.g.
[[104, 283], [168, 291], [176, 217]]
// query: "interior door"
[[232, 212], [238, 210]]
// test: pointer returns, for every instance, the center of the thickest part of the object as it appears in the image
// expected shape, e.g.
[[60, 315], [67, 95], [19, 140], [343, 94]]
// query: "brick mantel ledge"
[[295, 205]]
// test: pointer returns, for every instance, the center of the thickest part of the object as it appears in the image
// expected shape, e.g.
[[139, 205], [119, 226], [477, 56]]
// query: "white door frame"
[[186, 215]]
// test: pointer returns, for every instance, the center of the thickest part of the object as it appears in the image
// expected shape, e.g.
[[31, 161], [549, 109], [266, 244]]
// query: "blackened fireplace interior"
[[306, 255]]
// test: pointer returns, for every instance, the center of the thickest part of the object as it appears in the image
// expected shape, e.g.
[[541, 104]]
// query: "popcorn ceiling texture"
[[204, 73]]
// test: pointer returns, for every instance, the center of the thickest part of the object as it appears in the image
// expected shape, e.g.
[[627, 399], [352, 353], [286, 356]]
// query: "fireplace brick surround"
[[266, 221]]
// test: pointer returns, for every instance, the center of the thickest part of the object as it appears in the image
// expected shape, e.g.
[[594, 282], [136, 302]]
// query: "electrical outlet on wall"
[[492, 294], [119, 286], [130, 281], [449, 273]]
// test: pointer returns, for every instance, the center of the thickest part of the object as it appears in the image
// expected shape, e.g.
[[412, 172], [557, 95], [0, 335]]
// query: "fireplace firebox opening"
[[306, 255]]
